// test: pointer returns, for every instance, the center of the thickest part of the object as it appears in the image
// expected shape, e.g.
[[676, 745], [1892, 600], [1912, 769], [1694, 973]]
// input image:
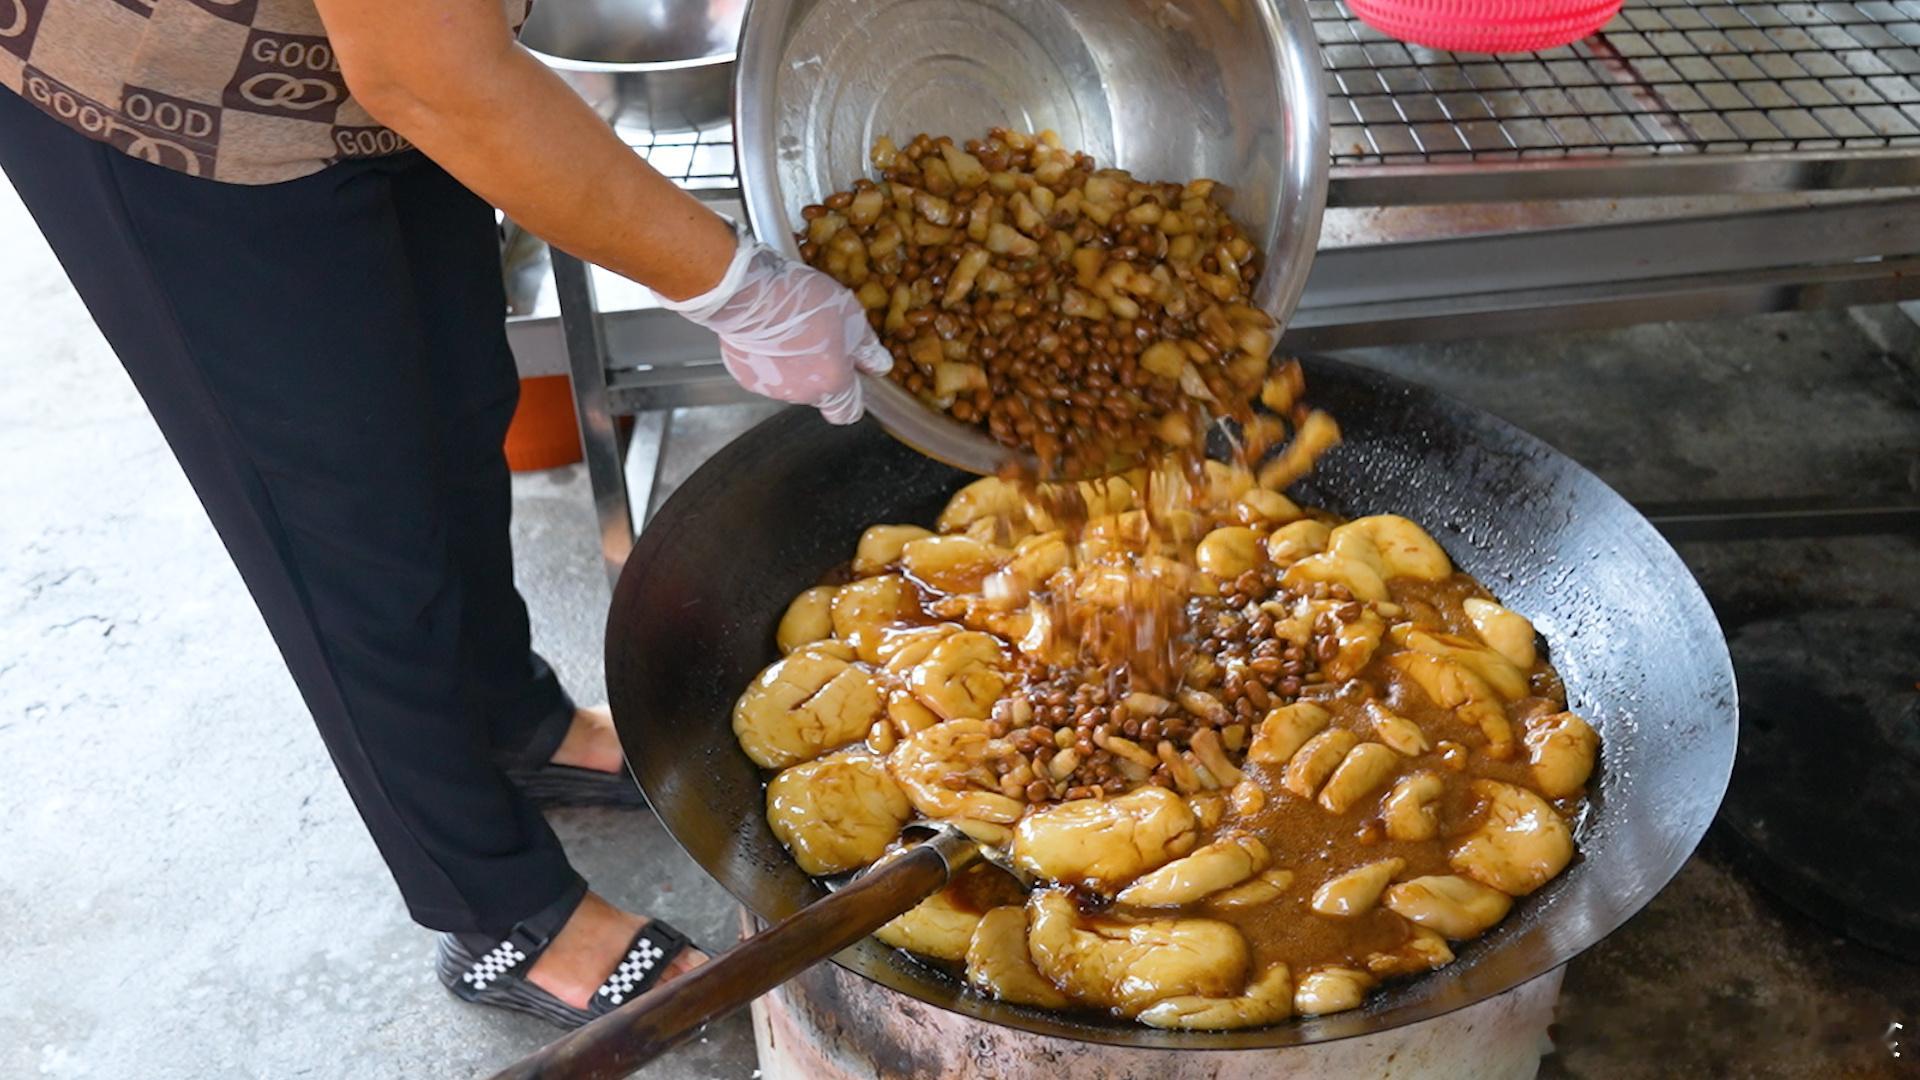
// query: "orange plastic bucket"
[[544, 433]]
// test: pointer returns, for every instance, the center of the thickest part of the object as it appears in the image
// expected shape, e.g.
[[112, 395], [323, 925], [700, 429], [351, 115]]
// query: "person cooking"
[[280, 214]]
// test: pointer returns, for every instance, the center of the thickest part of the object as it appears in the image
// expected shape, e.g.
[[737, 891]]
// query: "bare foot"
[[591, 742], [589, 947]]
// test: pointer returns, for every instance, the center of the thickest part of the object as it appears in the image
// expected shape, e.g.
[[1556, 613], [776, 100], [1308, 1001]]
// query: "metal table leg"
[[586, 343]]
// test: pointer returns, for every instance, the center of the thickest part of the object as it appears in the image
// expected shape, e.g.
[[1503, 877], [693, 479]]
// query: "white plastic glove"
[[789, 332]]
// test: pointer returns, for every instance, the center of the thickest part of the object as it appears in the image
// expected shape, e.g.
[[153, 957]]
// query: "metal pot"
[[657, 65], [1170, 89]]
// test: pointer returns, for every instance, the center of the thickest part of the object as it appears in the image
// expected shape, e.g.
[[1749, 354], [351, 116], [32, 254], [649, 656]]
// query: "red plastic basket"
[[1486, 26]]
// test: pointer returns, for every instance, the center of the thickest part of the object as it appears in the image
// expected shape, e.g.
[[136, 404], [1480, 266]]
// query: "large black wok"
[[1644, 660]]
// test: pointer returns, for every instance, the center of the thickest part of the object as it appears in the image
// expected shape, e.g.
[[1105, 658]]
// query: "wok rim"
[[1295, 1031]]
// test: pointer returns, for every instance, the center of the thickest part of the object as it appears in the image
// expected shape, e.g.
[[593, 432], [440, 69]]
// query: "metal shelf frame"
[[1721, 99]]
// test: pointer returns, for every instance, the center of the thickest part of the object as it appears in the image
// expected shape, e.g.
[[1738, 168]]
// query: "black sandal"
[[499, 975], [552, 785]]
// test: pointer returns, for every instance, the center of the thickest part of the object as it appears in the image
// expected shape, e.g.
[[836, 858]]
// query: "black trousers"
[[327, 358]]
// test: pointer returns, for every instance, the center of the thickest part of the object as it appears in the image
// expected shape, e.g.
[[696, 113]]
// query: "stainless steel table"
[[1696, 159]]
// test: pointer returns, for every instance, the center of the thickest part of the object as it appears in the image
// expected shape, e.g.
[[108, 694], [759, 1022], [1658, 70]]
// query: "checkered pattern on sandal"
[[500, 960], [499, 975], [646, 961]]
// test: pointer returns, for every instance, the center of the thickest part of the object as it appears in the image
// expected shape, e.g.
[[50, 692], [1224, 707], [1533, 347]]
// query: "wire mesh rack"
[[702, 160], [1663, 77]]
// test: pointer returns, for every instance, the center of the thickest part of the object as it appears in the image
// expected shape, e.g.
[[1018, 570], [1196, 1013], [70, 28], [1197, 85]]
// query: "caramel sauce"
[[1317, 845], [1149, 641]]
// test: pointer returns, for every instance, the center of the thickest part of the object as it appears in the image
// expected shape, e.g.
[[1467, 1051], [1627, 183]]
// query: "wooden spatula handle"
[[634, 1034]]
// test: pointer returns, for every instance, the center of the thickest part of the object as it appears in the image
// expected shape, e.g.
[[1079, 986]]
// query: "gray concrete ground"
[[185, 890]]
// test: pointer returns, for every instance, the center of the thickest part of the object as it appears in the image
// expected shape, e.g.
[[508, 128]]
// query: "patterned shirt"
[[246, 91]]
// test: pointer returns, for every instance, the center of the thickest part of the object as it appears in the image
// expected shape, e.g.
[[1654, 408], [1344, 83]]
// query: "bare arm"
[[448, 75]]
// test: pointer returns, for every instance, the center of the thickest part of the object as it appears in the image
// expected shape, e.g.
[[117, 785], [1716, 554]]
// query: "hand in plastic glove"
[[790, 332]]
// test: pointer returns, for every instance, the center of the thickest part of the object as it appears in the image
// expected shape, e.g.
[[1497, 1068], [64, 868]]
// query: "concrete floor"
[[186, 892]]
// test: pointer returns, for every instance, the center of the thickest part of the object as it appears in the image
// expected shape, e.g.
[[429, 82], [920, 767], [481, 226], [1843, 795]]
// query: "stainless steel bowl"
[[1170, 89], [658, 65]]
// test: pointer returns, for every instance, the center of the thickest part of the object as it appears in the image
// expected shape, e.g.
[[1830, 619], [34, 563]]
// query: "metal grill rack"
[[1741, 95], [701, 161], [1664, 77]]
